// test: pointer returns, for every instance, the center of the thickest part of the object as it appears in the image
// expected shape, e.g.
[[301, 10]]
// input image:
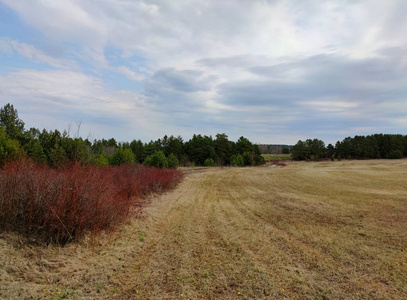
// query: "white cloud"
[[331, 106], [66, 97], [231, 63], [175, 34]]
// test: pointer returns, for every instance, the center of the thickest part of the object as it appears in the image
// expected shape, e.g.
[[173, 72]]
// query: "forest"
[[388, 146], [58, 149]]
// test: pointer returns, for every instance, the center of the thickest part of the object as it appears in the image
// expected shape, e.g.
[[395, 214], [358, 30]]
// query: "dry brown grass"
[[328, 230]]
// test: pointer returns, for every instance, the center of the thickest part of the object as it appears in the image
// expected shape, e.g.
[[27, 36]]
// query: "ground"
[[312, 230]]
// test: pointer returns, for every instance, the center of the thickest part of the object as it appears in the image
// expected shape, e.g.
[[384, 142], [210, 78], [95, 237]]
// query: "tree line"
[[274, 149], [390, 146], [58, 149]]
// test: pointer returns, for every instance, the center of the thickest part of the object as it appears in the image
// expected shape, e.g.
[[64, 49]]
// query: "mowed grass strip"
[[325, 230], [317, 230]]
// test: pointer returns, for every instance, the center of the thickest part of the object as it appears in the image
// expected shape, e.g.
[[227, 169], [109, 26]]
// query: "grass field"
[[270, 157], [317, 230]]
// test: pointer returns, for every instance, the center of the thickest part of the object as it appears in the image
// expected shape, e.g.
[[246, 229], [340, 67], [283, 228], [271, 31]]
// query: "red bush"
[[62, 205]]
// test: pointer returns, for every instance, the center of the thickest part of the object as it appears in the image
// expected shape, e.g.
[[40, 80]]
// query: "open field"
[[270, 157], [318, 230]]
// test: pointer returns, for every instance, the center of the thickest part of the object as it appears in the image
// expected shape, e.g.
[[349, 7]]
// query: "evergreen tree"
[[223, 149], [247, 158], [172, 161], [12, 124], [138, 149], [9, 148]]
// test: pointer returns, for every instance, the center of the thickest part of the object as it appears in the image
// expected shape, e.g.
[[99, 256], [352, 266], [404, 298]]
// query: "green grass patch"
[[269, 157]]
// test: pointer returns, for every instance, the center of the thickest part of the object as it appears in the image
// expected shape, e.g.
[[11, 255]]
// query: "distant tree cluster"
[[274, 149], [390, 146], [59, 149]]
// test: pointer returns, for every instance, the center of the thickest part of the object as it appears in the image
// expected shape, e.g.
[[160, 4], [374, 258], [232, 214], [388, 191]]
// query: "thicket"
[[390, 146], [61, 205], [58, 149], [56, 188]]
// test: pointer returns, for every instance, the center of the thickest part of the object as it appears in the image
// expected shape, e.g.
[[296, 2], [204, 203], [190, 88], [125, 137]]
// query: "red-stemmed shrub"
[[61, 205]]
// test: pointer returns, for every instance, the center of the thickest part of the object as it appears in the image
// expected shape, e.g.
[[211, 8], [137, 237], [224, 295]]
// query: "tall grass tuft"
[[61, 205]]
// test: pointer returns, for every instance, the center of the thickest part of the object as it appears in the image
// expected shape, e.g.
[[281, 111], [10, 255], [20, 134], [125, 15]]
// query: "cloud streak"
[[9, 46]]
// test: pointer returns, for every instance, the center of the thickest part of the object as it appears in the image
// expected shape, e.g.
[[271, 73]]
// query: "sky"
[[272, 71]]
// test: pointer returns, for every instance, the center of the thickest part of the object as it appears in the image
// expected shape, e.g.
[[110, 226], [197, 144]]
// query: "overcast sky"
[[272, 71]]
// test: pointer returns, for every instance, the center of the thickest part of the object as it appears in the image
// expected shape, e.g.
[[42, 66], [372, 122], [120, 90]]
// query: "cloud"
[[63, 97], [175, 34], [320, 77], [180, 80], [184, 94], [259, 68], [324, 91], [128, 73], [8, 45]]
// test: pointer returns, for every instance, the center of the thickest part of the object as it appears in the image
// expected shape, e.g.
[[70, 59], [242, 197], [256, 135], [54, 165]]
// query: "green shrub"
[[9, 149], [157, 159], [209, 162], [172, 161], [99, 160], [122, 156], [237, 161], [259, 160]]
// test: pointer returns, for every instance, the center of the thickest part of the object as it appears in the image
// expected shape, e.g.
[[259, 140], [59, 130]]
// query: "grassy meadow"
[[272, 157], [310, 230]]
